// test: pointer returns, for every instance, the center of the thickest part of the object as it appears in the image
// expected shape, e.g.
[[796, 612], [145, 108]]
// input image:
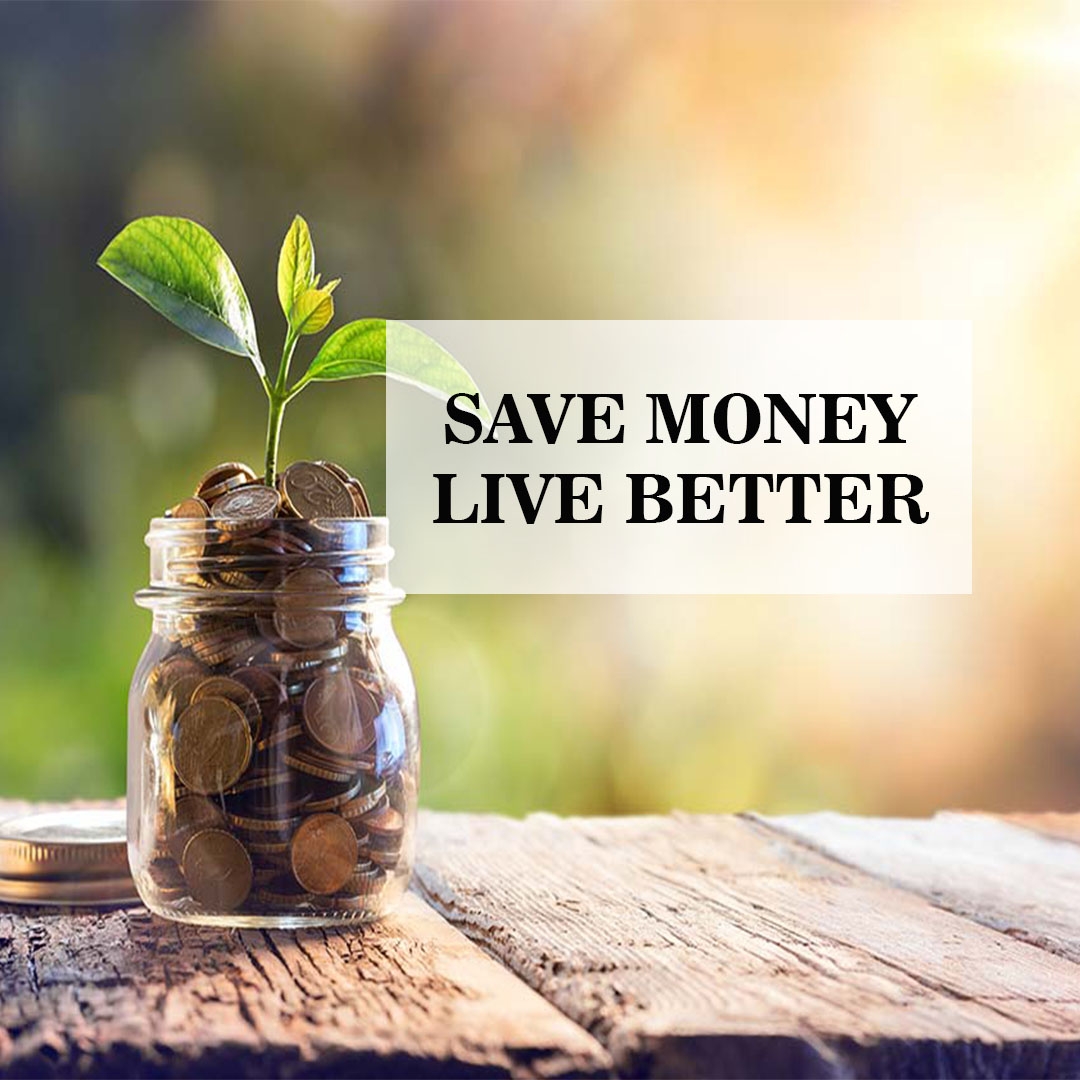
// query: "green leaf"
[[180, 270], [358, 348], [396, 350], [296, 265], [314, 308]]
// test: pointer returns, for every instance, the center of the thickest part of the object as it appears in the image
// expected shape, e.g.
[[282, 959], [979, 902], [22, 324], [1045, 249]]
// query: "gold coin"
[[268, 847], [247, 504], [171, 668], [237, 579], [363, 804], [167, 879], [366, 879], [385, 825], [331, 715], [235, 648], [333, 802], [323, 853], [231, 690], [311, 490], [193, 814], [211, 745], [313, 767], [217, 869], [340, 472], [177, 698], [192, 507], [282, 735], [359, 497], [263, 826], [300, 602], [267, 689], [222, 478], [309, 657], [388, 860]]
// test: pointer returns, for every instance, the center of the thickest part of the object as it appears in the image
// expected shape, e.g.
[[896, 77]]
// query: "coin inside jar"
[[311, 490], [211, 745], [331, 715], [217, 869], [300, 601], [267, 690], [221, 686], [323, 853], [194, 813], [177, 697]]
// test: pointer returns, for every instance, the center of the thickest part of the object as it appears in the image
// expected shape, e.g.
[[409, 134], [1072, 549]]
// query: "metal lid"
[[65, 857]]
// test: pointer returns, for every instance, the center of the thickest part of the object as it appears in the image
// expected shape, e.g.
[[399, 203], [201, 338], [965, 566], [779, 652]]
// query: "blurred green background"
[[557, 160]]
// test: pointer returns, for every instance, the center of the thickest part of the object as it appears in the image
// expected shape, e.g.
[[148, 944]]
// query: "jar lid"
[[65, 857]]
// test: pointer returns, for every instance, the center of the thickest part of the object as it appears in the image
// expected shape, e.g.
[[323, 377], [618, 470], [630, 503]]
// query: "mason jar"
[[273, 736]]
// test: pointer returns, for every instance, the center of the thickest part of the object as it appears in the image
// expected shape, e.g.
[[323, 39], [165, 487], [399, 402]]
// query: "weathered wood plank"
[[999, 874], [113, 993], [714, 946]]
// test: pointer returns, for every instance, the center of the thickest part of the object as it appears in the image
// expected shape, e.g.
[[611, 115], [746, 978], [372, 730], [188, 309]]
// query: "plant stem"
[[279, 398], [273, 437]]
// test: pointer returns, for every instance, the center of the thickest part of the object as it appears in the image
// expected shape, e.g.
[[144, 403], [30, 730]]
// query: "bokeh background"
[[558, 160]]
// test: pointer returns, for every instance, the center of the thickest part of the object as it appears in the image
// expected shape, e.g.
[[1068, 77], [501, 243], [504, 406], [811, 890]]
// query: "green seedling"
[[180, 270]]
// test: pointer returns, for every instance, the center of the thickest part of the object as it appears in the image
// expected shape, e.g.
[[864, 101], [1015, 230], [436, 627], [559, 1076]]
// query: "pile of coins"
[[286, 776]]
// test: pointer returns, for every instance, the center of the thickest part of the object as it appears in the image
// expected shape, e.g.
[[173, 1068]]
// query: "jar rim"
[[222, 563], [168, 524]]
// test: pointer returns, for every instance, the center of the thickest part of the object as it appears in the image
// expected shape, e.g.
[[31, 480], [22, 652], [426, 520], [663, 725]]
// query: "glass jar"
[[273, 738]]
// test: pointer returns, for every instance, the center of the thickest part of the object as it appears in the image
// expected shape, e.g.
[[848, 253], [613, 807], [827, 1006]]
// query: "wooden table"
[[819, 945]]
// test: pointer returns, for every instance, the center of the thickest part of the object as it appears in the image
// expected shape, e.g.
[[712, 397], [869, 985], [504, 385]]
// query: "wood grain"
[[122, 993], [717, 947], [997, 873]]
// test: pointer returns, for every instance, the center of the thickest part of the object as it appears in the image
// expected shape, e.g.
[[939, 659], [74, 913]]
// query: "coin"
[[309, 657], [288, 540], [264, 826], [193, 814], [359, 497], [191, 507], [221, 686], [367, 878], [176, 698], [282, 735], [314, 767], [338, 470], [385, 827], [333, 802], [167, 879], [268, 691], [331, 715], [369, 705], [387, 859], [168, 671], [236, 646], [212, 745], [323, 853], [300, 601], [248, 504], [217, 869], [283, 892], [222, 478], [364, 804], [311, 490]]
